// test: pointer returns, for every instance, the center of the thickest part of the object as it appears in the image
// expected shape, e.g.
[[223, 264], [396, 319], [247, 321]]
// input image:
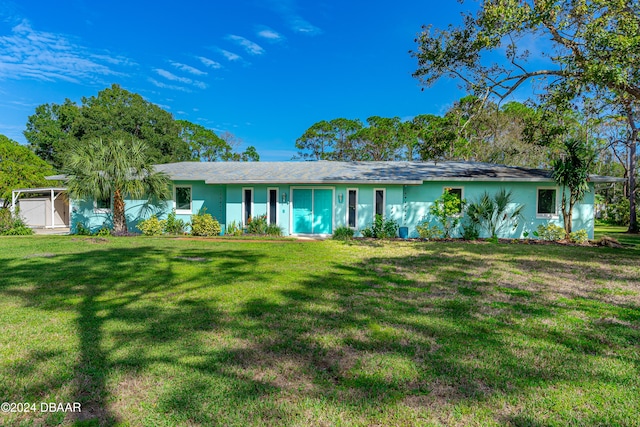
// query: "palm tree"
[[494, 213], [103, 169]]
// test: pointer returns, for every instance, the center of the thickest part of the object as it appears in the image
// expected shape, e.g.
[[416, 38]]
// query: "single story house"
[[314, 198]]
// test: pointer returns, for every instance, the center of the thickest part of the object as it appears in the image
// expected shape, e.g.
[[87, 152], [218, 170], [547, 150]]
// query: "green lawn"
[[164, 332]]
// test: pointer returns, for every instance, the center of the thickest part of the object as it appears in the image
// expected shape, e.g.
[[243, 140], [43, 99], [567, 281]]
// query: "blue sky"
[[262, 70]]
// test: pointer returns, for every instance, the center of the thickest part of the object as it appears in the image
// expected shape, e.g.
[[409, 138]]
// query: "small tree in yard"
[[571, 173], [447, 209], [101, 169], [493, 213]]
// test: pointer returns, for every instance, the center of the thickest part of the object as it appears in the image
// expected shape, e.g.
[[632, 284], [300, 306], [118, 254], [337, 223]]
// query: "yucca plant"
[[495, 213]]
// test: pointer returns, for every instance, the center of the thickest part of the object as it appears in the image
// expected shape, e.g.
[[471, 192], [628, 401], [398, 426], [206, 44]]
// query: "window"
[[456, 191], [183, 200], [247, 205], [379, 201], [102, 205], [352, 208], [272, 212], [547, 204]]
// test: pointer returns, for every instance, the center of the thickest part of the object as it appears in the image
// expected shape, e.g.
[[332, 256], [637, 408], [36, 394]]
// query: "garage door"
[[312, 211]]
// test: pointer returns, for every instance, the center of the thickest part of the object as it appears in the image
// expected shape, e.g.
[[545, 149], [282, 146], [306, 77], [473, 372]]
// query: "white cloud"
[[168, 86], [297, 23], [30, 54], [170, 76], [270, 35], [230, 55], [302, 26], [251, 47], [210, 62], [188, 69]]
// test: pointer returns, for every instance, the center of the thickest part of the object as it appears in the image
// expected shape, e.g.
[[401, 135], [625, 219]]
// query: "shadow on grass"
[[362, 340]]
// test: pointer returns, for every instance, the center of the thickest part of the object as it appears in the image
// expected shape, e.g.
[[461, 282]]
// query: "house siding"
[[406, 204]]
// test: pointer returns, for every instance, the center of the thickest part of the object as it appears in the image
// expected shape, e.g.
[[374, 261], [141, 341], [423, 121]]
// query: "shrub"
[[173, 225], [551, 232], [446, 209], [617, 213], [203, 224], [151, 226], [429, 232], [104, 231], [493, 213], [273, 230], [12, 225], [257, 225], [381, 228], [343, 233], [233, 229], [82, 230], [580, 236], [470, 230]]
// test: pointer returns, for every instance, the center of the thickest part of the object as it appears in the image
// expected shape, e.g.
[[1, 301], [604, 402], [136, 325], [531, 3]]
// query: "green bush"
[[273, 230], [446, 209], [152, 226], [551, 232], [203, 224], [580, 236], [104, 231], [495, 213], [343, 233], [617, 213], [82, 230], [233, 229], [381, 228], [470, 230], [257, 225], [12, 225], [429, 232], [173, 225]]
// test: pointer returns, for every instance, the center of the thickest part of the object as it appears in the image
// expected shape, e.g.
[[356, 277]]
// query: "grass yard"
[[164, 332]]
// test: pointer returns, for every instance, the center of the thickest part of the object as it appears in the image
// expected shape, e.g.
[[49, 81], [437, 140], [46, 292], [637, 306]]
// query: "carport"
[[44, 208]]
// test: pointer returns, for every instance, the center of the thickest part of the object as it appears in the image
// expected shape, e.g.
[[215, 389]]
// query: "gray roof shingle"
[[329, 172]]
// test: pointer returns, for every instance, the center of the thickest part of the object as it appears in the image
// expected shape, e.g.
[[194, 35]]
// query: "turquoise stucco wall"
[[408, 205], [420, 198]]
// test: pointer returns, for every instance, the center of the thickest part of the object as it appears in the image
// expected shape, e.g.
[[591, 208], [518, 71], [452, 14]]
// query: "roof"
[[330, 172]]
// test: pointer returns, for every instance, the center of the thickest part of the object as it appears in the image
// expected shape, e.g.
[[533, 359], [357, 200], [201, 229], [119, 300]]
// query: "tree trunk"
[[633, 223], [119, 219]]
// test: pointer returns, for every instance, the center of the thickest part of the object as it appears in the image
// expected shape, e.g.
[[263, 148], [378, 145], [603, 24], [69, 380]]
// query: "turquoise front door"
[[312, 211], [302, 200]]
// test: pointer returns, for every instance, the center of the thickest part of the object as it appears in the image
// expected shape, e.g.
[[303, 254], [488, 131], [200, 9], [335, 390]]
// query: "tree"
[[51, 130], [20, 168], [113, 114], [316, 143], [594, 46], [205, 145], [102, 169], [571, 173]]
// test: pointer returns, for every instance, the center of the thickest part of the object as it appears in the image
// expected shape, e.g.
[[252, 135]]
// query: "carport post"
[[53, 211], [14, 197]]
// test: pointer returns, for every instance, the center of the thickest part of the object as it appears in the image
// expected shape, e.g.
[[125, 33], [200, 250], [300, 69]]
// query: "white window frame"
[[175, 200], [461, 188], [384, 202], [253, 211], [98, 210], [346, 216], [555, 215], [269, 189]]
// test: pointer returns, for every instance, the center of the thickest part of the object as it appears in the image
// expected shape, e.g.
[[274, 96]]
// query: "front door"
[[312, 211]]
